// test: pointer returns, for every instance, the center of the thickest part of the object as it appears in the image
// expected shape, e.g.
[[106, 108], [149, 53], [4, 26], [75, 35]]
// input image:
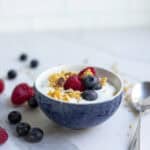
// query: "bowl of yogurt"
[[78, 96]]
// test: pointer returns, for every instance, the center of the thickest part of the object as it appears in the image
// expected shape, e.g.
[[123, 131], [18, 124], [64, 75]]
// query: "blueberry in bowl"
[[86, 97]]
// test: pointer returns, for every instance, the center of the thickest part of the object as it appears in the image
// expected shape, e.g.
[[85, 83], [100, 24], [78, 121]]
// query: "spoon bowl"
[[140, 95]]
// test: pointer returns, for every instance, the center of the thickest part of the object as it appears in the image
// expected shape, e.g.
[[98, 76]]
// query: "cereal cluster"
[[58, 93], [103, 81], [57, 81]]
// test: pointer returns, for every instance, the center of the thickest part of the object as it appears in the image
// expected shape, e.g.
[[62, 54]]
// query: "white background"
[[23, 15]]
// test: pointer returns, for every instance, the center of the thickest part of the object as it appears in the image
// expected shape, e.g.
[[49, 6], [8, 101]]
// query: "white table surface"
[[130, 49]]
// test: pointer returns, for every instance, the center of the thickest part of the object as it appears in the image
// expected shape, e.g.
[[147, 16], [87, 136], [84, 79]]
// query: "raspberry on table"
[[3, 135], [22, 93], [2, 86]]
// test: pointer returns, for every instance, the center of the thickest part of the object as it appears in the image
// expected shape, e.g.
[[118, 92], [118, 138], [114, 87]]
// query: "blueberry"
[[90, 81], [22, 129], [89, 95], [34, 63], [23, 57], [11, 74], [35, 135], [32, 102], [14, 117]]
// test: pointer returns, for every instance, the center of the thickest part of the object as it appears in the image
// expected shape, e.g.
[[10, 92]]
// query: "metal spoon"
[[140, 102]]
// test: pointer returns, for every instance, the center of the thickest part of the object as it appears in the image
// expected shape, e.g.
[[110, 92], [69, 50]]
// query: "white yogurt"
[[104, 94]]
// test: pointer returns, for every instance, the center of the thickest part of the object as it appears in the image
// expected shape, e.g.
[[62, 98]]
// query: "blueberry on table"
[[14, 117], [23, 57], [11, 74], [90, 81], [35, 135], [22, 129], [32, 102], [89, 95], [34, 63]]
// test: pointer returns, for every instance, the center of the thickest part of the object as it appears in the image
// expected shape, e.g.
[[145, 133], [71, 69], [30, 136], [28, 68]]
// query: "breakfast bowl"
[[80, 114]]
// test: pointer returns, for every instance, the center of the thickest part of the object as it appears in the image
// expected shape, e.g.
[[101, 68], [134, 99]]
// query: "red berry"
[[74, 83], [2, 85], [3, 136], [22, 93], [87, 71]]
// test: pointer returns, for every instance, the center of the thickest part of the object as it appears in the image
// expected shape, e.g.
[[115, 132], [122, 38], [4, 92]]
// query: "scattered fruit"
[[3, 135], [35, 135], [34, 63], [73, 82], [87, 71], [2, 86], [14, 117], [89, 95], [23, 57], [90, 82], [22, 129], [22, 93], [12, 74], [32, 102]]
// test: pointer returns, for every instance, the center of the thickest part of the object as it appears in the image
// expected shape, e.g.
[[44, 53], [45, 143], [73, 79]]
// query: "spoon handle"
[[135, 140], [139, 132]]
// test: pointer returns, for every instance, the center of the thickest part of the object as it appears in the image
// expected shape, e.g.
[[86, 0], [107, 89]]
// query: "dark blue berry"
[[34, 63], [90, 81], [22, 129], [89, 95], [23, 57], [11, 74], [14, 117], [32, 102], [35, 135]]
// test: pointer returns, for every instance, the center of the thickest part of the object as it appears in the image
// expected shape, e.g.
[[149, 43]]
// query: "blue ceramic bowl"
[[77, 116]]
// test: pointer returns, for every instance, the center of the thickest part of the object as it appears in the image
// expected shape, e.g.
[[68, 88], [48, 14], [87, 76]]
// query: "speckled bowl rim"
[[120, 91]]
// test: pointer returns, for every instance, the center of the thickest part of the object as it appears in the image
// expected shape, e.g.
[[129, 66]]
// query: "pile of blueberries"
[[12, 74], [24, 129]]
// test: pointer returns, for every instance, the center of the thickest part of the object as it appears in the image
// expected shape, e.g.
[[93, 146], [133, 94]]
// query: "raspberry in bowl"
[[78, 96]]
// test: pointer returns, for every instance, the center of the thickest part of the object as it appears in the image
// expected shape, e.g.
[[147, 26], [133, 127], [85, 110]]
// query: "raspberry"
[[22, 93], [87, 71], [3, 136], [2, 85], [73, 82]]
